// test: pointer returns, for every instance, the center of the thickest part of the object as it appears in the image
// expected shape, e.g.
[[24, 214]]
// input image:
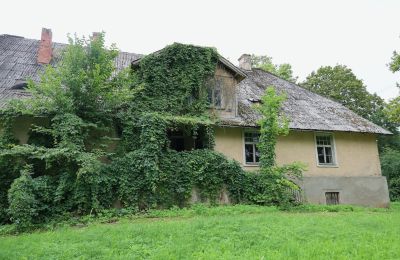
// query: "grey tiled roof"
[[18, 63], [305, 109]]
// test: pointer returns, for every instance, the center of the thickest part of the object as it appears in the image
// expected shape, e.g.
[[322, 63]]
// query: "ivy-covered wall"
[[70, 168]]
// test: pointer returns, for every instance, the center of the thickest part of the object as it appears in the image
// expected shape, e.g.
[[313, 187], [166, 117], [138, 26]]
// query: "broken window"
[[325, 149], [251, 152], [332, 198], [185, 140]]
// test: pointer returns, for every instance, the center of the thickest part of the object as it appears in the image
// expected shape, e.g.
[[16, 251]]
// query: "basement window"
[[325, 150], [332, 198], [251, 152]]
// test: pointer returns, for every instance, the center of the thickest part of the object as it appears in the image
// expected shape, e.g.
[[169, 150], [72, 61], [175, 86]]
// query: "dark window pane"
[[320, 151], [256, 137], [248, 150], [328, 153], [328, 159], [247, 137], [177, 144], [210, 96], [257, 153]]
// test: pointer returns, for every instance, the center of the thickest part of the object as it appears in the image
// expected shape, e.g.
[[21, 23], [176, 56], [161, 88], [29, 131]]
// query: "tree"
[[391, 169], [283, 70], [393, 108], [341, 84]]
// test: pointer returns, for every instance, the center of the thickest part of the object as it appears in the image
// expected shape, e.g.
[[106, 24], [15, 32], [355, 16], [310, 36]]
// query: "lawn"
[[234, 232]]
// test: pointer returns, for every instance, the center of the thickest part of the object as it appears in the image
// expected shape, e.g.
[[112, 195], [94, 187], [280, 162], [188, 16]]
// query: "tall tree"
[[393, 108], [283, 70]]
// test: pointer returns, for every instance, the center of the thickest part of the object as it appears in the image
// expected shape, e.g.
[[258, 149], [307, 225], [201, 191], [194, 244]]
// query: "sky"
[[361, 34]]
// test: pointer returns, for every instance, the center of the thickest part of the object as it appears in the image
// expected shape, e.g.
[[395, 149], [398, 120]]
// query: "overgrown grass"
[[232, 232]]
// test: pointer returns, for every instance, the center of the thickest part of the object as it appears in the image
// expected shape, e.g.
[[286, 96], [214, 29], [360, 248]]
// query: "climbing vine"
[[273, 184]]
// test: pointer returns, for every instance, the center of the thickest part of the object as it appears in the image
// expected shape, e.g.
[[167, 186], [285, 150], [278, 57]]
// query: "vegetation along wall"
[[356, 153]]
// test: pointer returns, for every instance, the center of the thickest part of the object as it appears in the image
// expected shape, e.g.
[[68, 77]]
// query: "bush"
[[390, 162], [23, 205]]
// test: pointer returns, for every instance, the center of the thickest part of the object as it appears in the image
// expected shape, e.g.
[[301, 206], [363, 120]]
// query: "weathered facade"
[[338, 146]]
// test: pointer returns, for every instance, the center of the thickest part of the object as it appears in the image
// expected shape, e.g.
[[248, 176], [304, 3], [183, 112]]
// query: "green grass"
[[234, 232]]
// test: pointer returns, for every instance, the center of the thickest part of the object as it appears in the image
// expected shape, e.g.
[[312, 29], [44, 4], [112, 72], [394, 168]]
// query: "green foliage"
[[265, 63], [172, 181], [393, 110], [23, 204], [390, 162], [173, 80], [272, 186], [272, 125], [79, 97], [394, 65]]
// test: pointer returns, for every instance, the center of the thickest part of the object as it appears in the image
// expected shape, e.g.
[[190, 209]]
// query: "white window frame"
[[334, 163], [255, 164]]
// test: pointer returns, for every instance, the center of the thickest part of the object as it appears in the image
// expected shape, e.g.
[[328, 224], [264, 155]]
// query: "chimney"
[[245, 62], [45, 51], [95, 35]]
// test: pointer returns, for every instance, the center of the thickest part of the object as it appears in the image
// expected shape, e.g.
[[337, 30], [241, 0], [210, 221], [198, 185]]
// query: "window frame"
[[334, 163], [245, 163], [334, 192]]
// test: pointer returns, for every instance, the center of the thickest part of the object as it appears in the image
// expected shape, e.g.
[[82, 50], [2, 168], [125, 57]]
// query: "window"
[[215, 92], [251, 153], [332, 198], [325, 149]]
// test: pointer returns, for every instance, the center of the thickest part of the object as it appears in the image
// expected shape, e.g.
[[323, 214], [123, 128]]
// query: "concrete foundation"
[[367, 191]]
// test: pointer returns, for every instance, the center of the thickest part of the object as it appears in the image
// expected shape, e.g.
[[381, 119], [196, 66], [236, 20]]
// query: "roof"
[[305, 109], [18, 63]]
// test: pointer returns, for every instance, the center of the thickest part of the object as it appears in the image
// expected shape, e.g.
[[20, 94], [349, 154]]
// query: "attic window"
[[20, 85], [325, 150], [215, 92]]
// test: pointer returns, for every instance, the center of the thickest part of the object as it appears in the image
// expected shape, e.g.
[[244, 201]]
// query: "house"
[[338, 146]]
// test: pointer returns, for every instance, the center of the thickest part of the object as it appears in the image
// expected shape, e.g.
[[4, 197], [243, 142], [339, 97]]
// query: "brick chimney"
[[95, 35], [45, 51], [245, 62]]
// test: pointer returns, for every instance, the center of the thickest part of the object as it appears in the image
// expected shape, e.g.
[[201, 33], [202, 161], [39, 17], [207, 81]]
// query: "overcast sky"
[[361, 34]]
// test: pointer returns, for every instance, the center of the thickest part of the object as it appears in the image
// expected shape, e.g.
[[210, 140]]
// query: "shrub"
[[390, 162], [23, 205]]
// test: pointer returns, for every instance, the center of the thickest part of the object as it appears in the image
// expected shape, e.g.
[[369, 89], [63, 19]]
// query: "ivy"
[[272, 124], [273, 184]]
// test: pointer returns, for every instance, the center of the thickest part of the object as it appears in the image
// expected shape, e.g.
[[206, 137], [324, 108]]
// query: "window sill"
[[251, 165], [328, 166]]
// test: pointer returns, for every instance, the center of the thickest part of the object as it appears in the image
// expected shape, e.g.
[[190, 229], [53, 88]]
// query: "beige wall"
[[356, 153]]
